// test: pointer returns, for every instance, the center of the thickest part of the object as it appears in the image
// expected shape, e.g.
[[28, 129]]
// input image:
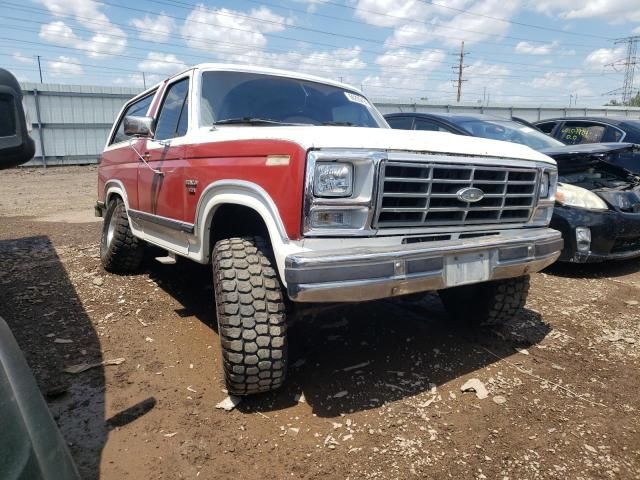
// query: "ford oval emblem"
[[470, 194]]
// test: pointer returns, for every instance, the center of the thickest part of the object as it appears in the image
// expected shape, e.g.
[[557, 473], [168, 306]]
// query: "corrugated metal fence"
[[71, 122]]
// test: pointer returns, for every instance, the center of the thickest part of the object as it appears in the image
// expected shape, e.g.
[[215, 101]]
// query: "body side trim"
[[163, 221]]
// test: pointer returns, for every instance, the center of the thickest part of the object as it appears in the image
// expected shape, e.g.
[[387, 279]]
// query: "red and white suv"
[[294, 188]]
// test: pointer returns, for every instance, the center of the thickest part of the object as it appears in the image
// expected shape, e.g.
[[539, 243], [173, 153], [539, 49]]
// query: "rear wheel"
[[490, 303], [251, 316], [120, 250]]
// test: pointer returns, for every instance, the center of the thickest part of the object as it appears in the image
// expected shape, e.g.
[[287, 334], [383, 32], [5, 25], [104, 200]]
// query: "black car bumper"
[[614, 235]]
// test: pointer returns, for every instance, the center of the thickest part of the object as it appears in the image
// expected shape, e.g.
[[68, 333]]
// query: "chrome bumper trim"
[[360, 274]]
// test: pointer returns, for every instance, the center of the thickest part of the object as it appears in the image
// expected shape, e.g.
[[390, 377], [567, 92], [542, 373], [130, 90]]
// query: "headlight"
[[573, 196], [544, 186], [333, 179]]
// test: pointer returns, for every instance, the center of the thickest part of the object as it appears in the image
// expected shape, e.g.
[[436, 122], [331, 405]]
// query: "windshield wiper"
[[339, 124], [249, 121]]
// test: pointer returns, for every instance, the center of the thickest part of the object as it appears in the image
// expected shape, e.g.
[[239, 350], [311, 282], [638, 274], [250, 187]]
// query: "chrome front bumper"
[[361, 273]]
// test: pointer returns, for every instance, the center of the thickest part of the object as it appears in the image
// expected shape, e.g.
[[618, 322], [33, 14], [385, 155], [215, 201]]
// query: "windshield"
[[239, 97], [509, 131]]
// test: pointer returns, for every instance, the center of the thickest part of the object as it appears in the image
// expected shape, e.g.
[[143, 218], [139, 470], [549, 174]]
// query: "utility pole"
[[629, 63], [461, 67], [144, 81], [39, 68]]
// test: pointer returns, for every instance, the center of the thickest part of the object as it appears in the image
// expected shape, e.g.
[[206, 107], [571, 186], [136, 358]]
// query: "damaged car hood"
[[588, 166], [588, 149]]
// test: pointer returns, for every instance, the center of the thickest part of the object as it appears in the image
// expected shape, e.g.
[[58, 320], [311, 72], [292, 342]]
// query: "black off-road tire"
[[487, 304], [120, 251], [251, 316]]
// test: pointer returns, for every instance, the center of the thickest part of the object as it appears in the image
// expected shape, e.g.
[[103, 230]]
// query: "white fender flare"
[[247, 194]]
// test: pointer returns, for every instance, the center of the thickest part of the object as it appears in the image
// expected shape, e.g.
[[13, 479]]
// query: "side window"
[[546, 127], [138, 108], [174, 112], [401, 123], [574, 133], [612, 134], [422, 124]]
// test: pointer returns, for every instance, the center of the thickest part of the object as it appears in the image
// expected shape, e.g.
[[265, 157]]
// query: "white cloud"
[[335, 64], [611, 10], [549, 80], [417, 23], [135, 80], [481, 74], [312, 5], [64, 67], [602, 57], [156, 29], [528, 48], [213, 29], [403, 59], [557, 83], [165, 63], [19, 57], [107, 39]]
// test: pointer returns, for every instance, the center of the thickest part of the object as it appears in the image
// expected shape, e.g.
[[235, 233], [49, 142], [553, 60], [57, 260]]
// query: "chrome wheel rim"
[[111, 229]]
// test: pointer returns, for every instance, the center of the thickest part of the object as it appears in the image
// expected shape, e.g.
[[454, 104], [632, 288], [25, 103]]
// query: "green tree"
[[635, 101]]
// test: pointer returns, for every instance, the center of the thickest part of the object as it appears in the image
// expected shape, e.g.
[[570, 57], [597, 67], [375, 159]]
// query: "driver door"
[[161, 188]]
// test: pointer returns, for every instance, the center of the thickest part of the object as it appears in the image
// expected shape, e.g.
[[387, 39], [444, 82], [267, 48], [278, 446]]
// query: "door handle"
[[146, 155]]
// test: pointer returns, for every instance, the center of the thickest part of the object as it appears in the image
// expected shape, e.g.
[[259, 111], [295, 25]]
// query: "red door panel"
[[121, 163], [162, 194]]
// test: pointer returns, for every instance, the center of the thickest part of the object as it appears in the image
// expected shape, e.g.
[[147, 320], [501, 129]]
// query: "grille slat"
[[425, 194]]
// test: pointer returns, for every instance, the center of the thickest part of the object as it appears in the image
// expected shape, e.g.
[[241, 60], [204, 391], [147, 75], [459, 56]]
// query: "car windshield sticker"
[[352, 97]]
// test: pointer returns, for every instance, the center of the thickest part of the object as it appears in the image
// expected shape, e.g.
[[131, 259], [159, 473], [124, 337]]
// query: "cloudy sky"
[[524, 51]]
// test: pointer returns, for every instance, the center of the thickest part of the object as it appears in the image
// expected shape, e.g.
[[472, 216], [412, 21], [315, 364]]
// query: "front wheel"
[[490, 303], [251, 316], [120, 250]]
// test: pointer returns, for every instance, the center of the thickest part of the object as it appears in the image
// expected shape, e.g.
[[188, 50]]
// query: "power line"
[[513, 22], [242, 47], [388, 15]]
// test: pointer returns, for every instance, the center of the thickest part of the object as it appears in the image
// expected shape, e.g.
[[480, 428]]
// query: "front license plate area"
[[467, 268]]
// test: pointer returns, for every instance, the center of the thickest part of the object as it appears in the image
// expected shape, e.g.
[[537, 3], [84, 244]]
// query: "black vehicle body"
[[16, 147], [603, 129], [31, 447], [615, 232]]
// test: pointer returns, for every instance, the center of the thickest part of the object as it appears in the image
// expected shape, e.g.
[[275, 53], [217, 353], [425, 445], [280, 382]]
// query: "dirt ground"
[[374, 390]]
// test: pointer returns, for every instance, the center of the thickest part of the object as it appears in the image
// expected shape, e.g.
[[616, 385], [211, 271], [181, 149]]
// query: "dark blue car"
[[579, 130], [598, 201]]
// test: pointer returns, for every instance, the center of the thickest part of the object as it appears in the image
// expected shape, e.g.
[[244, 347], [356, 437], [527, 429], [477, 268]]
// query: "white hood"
[[317, 137]]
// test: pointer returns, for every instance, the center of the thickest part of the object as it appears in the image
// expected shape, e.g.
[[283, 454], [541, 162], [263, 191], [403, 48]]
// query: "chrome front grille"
[[413, 194]]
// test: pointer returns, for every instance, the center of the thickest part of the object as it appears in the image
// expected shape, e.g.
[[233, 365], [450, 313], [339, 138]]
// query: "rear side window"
[[428, 125], [136, 109], [574, 133], [174, 112], [401, 123], [546, 127], [612, 134]]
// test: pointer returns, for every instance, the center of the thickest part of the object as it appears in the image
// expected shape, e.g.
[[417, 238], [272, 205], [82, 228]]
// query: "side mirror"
[[16, 146], [138, 126]]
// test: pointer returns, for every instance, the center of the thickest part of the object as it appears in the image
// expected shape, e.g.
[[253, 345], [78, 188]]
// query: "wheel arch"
[[240, 194], [115, 188]]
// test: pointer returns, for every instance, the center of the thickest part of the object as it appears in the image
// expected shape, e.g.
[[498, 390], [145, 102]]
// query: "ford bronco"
[[295, 189]]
